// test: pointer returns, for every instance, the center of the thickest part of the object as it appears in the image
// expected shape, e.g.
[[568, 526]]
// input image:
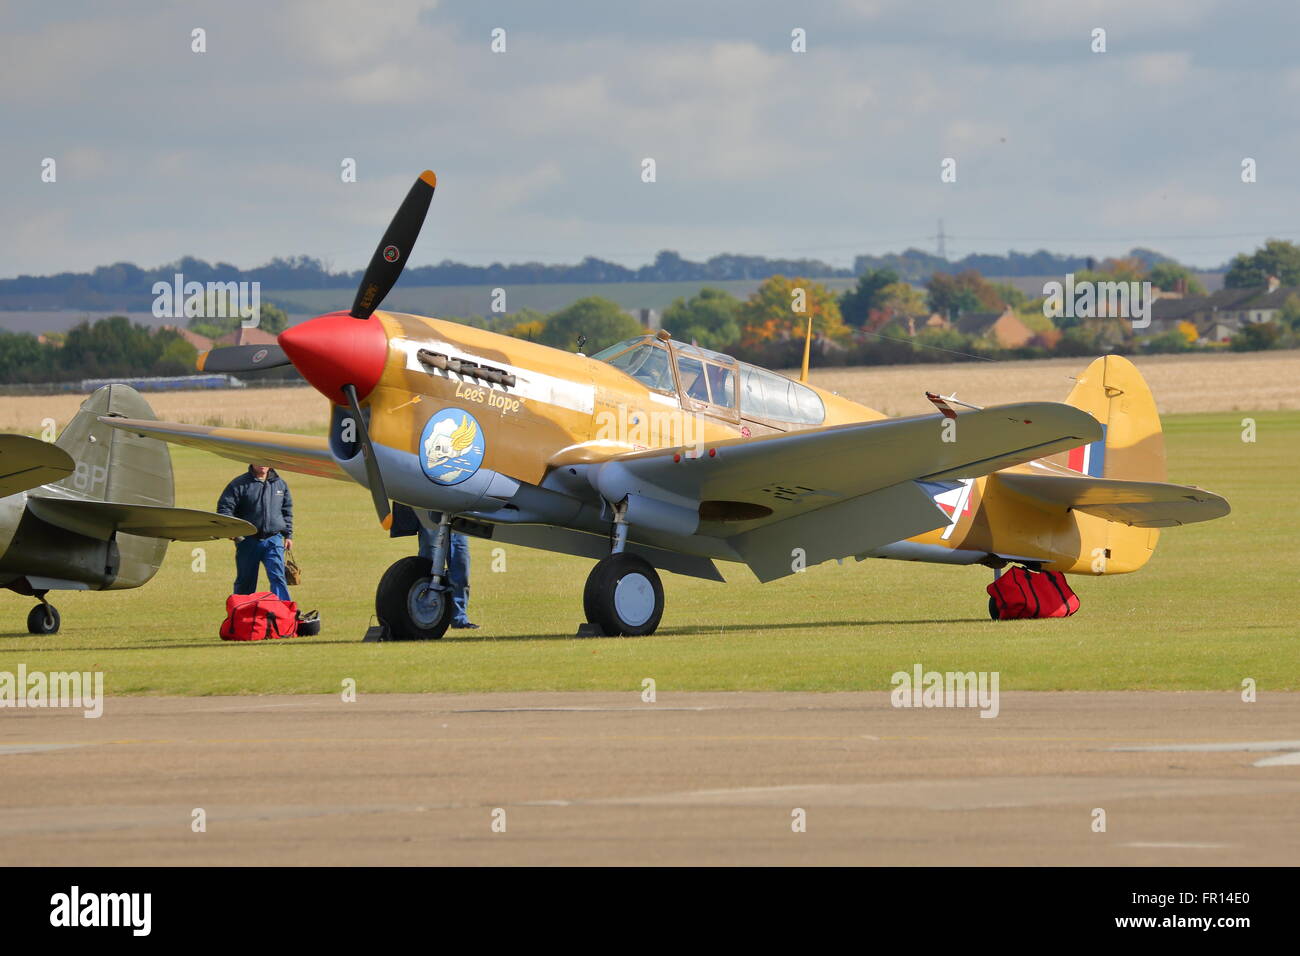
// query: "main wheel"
[[624, 596], [43, 619], [993, 609], [409, 605]]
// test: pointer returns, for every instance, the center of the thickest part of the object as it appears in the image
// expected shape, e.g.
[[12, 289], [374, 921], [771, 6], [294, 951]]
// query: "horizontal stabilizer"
[[99, 519], [29, 463], [1142, 504]]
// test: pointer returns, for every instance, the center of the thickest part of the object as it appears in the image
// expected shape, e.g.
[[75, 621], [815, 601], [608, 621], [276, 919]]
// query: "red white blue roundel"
[[451, 446]]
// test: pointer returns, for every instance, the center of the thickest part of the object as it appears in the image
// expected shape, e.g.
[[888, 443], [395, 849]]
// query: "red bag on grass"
[[1019, 593], [259, 617]]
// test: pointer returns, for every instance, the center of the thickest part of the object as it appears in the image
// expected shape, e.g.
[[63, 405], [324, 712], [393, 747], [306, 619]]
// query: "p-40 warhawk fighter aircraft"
[[528, 445], [92, 511]]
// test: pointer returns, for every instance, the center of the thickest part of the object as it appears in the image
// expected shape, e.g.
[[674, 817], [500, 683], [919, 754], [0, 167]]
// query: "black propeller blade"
[[394, 249], [373, 477], [242, 358]]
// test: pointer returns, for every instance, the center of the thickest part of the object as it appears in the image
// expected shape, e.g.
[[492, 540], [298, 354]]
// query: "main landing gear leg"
[[624, 596], [43, 619], [413, 599]]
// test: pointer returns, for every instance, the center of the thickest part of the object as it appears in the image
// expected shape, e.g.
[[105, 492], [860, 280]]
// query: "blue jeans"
[[252, 552], [457, 570]]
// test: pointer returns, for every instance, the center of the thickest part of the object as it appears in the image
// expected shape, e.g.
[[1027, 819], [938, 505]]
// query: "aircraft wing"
[[305, 454], [840, 490], [99, 519], [29, 463], [1143, 504]]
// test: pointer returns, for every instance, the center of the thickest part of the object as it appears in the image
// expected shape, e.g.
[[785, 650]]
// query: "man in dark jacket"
[[261, 498]]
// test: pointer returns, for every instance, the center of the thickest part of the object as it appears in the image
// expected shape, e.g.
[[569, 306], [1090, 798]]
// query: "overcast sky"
[[234, 154]]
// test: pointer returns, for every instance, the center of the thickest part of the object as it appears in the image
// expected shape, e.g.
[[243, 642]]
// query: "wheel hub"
[[425, 604], [634, 599]]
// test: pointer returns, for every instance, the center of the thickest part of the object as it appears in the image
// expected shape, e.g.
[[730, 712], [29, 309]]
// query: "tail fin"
[[111, 464], [1132, 445], [118, 466]]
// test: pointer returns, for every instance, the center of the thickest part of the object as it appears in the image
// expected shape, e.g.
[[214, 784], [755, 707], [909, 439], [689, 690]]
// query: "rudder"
[[1132, 446]]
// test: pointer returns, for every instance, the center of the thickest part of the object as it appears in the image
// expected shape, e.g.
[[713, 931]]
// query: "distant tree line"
[[882, 319], [304, 272], [916, 265], [1276, 257], [109, 348]]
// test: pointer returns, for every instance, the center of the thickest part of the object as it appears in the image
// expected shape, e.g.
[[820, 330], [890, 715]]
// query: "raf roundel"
[[392, 253], [451, 446]]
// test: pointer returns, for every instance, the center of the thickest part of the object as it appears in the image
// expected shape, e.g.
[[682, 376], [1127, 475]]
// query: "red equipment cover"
[[1023, 593], [258, 617]]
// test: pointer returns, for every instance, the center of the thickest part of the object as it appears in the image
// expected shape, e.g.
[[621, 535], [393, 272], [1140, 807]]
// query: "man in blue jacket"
[[261, 498]]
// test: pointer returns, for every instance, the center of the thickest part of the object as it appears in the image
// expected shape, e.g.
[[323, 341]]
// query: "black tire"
[[402, 602], [993, 609], [40, 622], [627, 610]]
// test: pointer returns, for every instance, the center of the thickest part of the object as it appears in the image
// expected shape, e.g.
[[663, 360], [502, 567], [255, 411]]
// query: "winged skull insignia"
[[448, 440]]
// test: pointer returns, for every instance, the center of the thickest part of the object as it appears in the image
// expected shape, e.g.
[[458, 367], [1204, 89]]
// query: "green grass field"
[[1215, 605]]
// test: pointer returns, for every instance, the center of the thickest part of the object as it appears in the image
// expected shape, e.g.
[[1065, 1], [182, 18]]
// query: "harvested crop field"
[[1220, 382], [1213, 382], [292, 408]]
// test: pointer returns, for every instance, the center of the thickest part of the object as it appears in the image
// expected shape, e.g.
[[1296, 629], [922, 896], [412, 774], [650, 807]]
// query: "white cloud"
[[84, 163], [343, 33], [1162, 69], [1164, 210], [234, 154]]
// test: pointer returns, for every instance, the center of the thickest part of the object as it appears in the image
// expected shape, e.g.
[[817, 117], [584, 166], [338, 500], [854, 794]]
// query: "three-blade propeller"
[[381, 275]]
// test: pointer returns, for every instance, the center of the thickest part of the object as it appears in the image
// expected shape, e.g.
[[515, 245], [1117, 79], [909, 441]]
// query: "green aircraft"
[[92, 511]]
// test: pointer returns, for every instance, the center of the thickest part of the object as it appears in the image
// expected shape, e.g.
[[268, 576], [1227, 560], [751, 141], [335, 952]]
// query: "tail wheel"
[[43, 619], [624, 596], [407, 603]]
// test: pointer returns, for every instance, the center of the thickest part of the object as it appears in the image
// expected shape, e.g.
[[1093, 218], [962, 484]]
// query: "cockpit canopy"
[[708, 380]]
